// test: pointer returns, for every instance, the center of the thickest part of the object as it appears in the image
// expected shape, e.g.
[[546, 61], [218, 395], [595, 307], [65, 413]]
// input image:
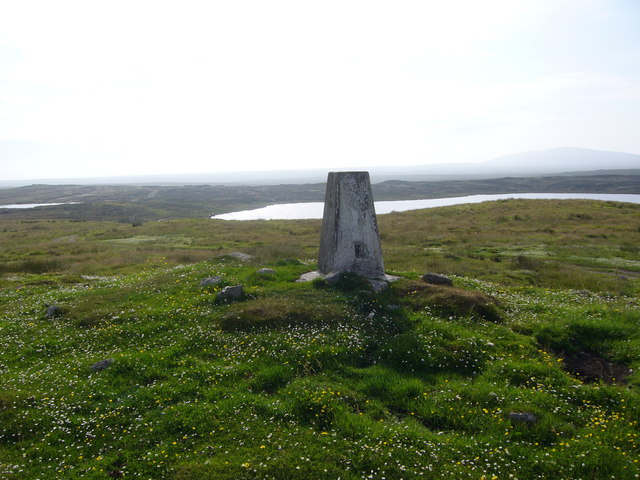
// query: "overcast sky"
[[93, 88]]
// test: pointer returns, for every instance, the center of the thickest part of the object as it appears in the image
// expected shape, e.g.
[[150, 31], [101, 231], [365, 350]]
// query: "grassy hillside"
[[526, 368]]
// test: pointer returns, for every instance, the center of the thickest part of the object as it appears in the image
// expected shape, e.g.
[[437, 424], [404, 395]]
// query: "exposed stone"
[[53, 311], [333, 278], [211, 281], [378, 285], [266, 271], [231, 293], [101, 365], [309, 276], [242, 256], [349, 241], [435, 279], [523, 417]]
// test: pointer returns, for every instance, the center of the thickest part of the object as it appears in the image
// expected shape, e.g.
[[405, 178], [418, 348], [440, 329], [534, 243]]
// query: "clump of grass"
[[272, 378], [450, 301], [527, 263], [277, 312], [33, 266]]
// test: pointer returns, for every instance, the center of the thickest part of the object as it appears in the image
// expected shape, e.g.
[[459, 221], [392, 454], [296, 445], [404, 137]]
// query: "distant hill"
[[565, 161], [557, 161]]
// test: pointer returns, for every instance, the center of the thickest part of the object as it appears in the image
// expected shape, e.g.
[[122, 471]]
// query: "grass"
[[304, 381]]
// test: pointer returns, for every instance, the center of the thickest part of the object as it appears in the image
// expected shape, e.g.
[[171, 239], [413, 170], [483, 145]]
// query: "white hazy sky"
[[93, 88]]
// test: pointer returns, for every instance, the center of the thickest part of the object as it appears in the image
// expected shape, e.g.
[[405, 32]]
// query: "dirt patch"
[[593, 368]]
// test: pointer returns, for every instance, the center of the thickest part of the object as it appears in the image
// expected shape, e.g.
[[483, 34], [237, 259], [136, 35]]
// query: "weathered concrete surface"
[[350, 241]]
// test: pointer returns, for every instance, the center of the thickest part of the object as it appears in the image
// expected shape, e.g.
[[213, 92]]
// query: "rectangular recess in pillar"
[[349, 240]]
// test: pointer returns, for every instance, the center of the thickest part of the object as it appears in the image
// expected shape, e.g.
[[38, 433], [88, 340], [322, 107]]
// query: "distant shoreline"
[[314, 210]]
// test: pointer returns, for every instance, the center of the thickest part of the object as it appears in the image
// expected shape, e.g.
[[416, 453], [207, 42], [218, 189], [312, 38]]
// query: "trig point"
[[350, 241]]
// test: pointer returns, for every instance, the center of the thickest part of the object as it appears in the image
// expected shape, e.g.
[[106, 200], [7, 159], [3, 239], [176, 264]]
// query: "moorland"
[[140, 203], [526, 368]]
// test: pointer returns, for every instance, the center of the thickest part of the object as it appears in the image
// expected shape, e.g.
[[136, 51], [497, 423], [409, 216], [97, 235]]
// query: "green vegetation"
[[312, 381]]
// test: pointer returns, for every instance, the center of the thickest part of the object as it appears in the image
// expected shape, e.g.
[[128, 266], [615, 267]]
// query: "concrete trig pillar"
[[350, 241]]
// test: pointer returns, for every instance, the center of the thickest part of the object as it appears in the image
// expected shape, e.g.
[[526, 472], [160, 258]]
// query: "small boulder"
[[333, 278], [266, 271], [53, 311], [242, 256], [309, 277], [231, 293], [378, 285], [211, 281], [435, 279], [101, 365], [523, 417]]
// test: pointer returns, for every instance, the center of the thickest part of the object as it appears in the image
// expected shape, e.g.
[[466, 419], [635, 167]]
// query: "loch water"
[[310, 210]]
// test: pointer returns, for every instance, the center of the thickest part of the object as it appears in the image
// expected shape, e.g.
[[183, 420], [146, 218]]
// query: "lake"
[[310, 210], [34, 205]]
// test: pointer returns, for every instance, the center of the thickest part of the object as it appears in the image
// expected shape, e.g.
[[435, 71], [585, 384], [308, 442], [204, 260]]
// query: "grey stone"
[[436, 279], [523, 417], [333, 278], [101, 365], [242, 256], [349, 240], [211, 281], [309, 276], [231, 293], [378, 285], [53, 311], [266, 271]]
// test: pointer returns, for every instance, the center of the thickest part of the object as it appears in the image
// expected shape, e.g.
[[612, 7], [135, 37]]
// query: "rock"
[[333, 278], [211, 281], [267, 271], [378, 285], [309, 276], [231, 293], [242, 256], [101, 365], [53, 311], [523, 417], [435, 279]]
